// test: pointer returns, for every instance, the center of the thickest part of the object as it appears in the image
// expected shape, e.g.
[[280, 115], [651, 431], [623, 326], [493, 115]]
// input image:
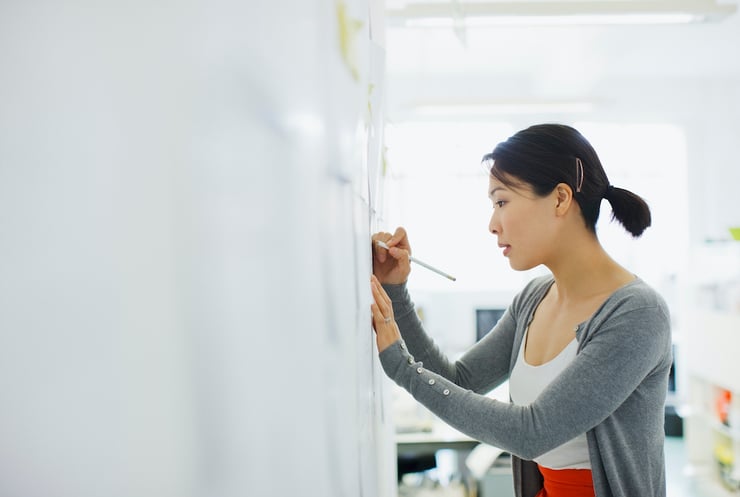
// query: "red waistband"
[[566, 483]]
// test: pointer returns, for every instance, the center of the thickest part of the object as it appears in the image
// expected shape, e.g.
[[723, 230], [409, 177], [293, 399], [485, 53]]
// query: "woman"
[[586, 350]]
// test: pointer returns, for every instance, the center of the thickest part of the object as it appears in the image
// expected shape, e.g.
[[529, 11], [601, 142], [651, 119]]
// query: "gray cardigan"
[[614, 390]]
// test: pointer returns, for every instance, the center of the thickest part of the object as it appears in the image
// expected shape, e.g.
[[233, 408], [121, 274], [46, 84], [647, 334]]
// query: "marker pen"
[[423, 264]]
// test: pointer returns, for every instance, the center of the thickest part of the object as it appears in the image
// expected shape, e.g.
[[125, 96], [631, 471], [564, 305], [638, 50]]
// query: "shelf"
[[711, 342], [717, 426]]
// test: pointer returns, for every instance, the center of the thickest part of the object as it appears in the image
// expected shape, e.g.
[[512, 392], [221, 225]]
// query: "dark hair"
[[545, 155]]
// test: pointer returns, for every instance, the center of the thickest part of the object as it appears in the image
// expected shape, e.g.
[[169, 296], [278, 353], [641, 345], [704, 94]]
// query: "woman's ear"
[[564, 197]]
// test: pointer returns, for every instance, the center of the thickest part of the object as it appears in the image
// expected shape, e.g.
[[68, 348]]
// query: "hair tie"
[[608, 192]]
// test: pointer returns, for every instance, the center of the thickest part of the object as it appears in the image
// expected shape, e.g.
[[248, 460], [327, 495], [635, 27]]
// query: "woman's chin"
[[521, 265]]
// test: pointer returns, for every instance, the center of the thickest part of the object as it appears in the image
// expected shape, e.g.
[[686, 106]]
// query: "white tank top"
[[527, 382]]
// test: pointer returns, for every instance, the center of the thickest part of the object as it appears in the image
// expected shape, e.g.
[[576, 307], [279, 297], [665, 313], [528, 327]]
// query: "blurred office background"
[[655, 87]]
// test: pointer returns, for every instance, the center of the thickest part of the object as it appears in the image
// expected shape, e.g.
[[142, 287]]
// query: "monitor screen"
[[485, 319]]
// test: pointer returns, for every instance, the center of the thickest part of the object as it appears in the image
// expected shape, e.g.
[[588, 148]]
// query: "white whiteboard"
[[186, 195]]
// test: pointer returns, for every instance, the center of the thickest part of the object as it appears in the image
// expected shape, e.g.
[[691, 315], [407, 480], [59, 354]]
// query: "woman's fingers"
[[382, 300], [384, 297], [400, 254], [376, 314], [396, 268], [399, 239], [386, 330], [380, 253], [399, 245], [378, 294]]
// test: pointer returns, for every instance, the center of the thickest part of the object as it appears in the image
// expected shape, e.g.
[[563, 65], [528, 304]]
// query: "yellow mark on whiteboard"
[[370, 89], [348, 29], [385, 161]]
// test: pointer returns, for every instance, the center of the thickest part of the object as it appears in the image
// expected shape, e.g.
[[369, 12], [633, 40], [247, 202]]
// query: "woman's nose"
[[493, 225]]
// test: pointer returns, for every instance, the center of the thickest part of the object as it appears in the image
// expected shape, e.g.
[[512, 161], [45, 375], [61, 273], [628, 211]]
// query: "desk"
[[440, 437], [425, 444]]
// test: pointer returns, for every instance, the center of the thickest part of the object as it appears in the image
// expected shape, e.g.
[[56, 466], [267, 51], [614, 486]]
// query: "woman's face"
[[523, 223]]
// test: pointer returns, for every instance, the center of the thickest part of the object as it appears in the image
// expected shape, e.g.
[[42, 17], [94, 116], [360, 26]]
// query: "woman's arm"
[[621, 365], [483, 367]]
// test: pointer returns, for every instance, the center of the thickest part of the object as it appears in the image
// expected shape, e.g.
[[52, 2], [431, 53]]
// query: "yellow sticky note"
[[348, 29]]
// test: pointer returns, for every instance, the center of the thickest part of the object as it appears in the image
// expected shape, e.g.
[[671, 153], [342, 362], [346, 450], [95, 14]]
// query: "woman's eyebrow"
[[495, 189]]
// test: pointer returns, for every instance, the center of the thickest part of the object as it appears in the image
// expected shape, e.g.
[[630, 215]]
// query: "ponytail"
[[629, 209]]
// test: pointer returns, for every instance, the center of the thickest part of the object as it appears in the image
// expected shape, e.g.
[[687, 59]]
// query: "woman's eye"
[[499, 203]]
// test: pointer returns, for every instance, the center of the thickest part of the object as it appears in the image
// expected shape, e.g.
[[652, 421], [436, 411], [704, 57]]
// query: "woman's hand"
[[386, 329], [392, 265]]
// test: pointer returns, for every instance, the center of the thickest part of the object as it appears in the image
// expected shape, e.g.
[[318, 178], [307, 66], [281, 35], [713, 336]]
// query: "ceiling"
[[473, 67]]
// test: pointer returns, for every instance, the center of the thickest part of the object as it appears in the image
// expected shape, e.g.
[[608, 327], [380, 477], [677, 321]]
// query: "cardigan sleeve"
[[625, 353], [483, 367]]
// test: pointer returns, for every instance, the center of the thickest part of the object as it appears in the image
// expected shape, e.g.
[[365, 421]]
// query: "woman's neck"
[[583, 270]]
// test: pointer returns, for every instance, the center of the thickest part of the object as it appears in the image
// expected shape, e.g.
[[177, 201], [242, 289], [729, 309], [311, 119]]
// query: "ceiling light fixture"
[[474, 14]]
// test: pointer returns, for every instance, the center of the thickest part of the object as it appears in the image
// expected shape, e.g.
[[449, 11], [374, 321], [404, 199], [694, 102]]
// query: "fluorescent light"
[[589, 20], [471, 14]]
